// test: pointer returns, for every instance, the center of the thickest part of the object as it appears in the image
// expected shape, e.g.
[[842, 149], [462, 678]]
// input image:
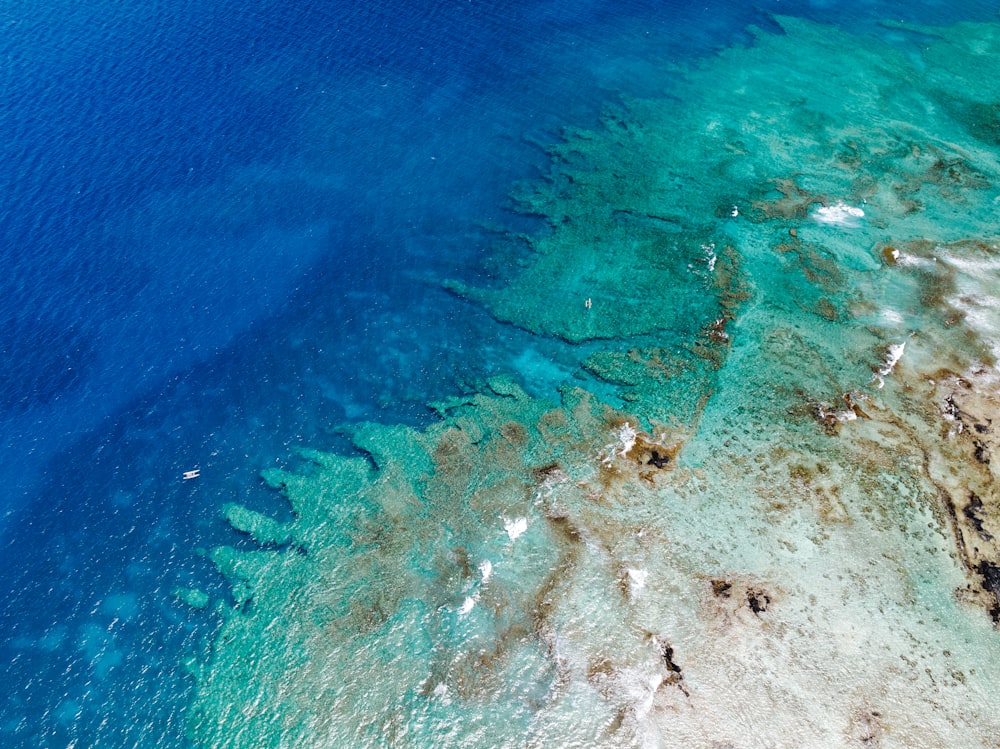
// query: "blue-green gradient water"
[[225, 231]]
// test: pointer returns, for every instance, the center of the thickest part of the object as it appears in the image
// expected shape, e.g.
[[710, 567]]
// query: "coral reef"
[[786, 531]]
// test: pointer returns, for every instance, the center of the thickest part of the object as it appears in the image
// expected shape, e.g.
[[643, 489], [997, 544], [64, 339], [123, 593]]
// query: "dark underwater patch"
[[40, 361]]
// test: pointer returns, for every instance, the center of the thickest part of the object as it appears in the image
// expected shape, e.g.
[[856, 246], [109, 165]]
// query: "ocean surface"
[[233, 233]]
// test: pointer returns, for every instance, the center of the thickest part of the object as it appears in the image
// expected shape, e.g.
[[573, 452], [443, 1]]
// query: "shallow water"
[[662, 522]]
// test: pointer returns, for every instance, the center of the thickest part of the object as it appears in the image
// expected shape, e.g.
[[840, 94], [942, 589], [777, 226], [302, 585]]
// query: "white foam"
[[976, 268], [626, 437], [913, 261], [982, 315], [626, 441], [638, 687], [467, 605], [549, 485], [841, 416], [636, 580], [891, 316], [441, 692], [839, 214], [515, 527], [977, 296], [486, 569], [710, 256], [892, 356]]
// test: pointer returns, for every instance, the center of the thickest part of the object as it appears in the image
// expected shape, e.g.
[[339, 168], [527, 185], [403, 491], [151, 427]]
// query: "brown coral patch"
[[816, 264], [733, 594], [794, 202], [650, 456]]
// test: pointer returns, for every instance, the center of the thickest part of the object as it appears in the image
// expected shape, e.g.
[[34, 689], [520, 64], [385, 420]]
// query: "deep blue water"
[[223, 227]]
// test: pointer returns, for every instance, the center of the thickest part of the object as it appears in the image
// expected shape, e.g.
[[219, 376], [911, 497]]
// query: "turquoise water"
[[649, 353]]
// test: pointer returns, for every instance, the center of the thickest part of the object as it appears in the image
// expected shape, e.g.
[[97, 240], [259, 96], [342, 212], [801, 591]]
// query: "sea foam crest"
[[829, 417], [636, 579], [839, 214], [892, 356], [710, 256], [486, 572], [627, 436], [515, 527]]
